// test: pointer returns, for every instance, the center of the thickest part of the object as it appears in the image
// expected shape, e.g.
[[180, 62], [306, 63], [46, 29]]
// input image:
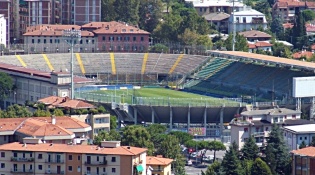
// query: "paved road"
[[194, 171]]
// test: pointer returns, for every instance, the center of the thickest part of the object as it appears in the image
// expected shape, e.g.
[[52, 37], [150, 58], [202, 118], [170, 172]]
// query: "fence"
[[101, 47], [155, 101]]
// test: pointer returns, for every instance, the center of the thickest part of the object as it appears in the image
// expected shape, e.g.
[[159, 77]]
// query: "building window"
[[294, 116], [245, 129], [281, 119], [79, 157], [2, 154], [200, 9], [305, 138], [97, 158], [275, 120], [104, 38], [300, 138], [134, 38], [244, 19], [70, 157], [267, 128], [69, 168], [40, 167], [51, 41], [40, 156], [38, 40], [33, 41], [79, 169], [142, 39], [113, 170], [250, 118], [113, 159], [104, 169], [14, 154], [44, 41], [2, 165]]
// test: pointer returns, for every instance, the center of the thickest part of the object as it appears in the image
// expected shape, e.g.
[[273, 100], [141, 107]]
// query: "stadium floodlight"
[[71, 37]]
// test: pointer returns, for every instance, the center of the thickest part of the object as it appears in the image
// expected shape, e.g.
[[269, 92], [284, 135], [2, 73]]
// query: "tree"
[[313, 141], [302, 145], [41, 113], [235, 147], [192, 144], [150, 13], [188, 37], [250, 150], [113, 122], [240, 43], [58, 112], [231, 164], [276, 26], [213, 169], [15, 111], [108, 11], [280, 50], [127, 10], [6, 85], [112, 135], [260, 167], [157, 132], [183, 137], [216, 146], [204, 40], [137, 136], [299, 32], [159, 48], [247, 165], [170, 149], [277, 154], [308, 15]]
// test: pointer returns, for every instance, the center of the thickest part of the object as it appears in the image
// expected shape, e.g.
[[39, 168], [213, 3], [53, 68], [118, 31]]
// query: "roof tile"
[[150, 160]]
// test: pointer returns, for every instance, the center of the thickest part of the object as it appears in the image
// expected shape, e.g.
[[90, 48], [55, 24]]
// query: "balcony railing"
[[22, 171], [258, 134], [157, 170], [95, 173], [21, 159], [240, 122], [96, 163], [54, 161], [54, 172]]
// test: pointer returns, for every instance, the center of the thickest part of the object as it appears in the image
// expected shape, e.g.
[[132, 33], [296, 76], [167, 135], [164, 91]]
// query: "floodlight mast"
[[71, 37]]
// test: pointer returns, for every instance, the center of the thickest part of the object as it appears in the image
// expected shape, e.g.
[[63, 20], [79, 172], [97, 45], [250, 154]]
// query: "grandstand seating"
[[238, 78]]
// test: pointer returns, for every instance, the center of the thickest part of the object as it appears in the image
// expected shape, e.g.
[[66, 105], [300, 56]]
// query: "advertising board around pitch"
[[303, 87], [197, 131]]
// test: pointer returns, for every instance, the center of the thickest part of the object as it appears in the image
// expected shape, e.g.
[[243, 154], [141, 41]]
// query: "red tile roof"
[[313, 47], [65, 102], [255, 34], [41, 126], [308, 151], [81, 149], [259, 44], [298, 55], [53, 30], [150, 160], [288, 25]]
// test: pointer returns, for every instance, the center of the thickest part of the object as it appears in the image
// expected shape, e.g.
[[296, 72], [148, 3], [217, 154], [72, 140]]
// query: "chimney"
[[53, 119]]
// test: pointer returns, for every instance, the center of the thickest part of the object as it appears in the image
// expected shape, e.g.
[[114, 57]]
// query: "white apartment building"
[[247, 19], [213, 6], [258, 123], [3, 32], [295, 135]]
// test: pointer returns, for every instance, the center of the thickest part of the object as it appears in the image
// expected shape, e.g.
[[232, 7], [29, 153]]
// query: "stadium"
[[194, 90]]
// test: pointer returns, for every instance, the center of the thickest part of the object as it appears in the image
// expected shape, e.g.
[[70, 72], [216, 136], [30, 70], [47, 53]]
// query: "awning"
[[139, 168]]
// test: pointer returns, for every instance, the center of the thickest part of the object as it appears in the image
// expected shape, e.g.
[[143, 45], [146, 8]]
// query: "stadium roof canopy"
[[303, 65]]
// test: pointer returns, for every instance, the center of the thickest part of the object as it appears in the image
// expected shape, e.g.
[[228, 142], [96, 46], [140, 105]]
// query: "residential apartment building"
[[159, 165], [258, 123], [31, 84], [259, 45], [255, 35], [21, 14], [219, 19], [48, 129], [303, 161], [42, 158], [247, 19], [295, 135], [213, 6], [95, 36], [286, 10], [3, 32]]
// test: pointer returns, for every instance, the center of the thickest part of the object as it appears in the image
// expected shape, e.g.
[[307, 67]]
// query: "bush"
[[85, 111], [58, 112], [101, 109], [93, 111]]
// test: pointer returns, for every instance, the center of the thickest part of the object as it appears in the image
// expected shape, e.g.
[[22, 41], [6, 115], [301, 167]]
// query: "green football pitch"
[[155, 96]]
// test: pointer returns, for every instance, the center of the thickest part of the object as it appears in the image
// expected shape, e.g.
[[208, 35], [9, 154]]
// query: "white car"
[[194, 154]]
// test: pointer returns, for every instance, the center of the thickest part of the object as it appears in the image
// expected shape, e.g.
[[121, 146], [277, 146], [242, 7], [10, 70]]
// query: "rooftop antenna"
[[234, 29]]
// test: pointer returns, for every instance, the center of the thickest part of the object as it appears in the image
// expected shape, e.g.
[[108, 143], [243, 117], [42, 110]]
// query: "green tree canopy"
[[213, 169], [6, 85], [216, 146], [58, 112], [170, 149], [41, 113], [15, 111], [240, 43], [108, 13], [277, 154], [183, 137], [276, 26], [308, 15], [112, 135], [113, 122], [231, 164], [150, 13], [260, 167], [157, 132], [250, 150], [313, 141], [299, 32], [302, 145], [137, 136], [127, 10]]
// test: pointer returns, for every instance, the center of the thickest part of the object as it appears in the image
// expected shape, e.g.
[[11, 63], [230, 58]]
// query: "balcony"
[[157, 170], [240, 122], [97, 163], [22, 171], [95, 173], [54, 172], [258, 134], [57, 161], [21, 159]]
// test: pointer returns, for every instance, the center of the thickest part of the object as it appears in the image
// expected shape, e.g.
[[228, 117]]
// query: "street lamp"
[[71, 36]]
